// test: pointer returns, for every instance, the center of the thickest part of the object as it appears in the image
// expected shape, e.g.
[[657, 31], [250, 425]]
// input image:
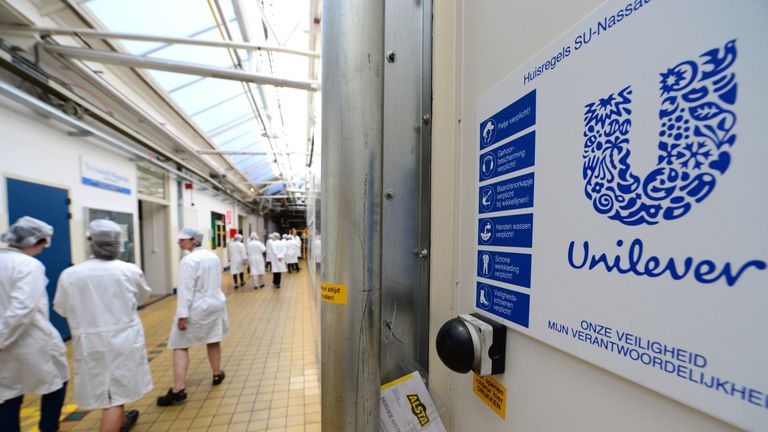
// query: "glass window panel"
[[151, 17], [206, 93], [172, 80], [151, 183], [223, 113], [275, 188], [249, 140], [203, 55], [248, 125]]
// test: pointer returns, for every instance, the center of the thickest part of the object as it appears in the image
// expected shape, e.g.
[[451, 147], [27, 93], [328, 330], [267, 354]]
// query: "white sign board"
[[98, 174], [621, 199]]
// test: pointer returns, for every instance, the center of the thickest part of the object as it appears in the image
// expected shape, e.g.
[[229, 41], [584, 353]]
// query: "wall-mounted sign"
[[98, 174], [620, 200], [229, 217]]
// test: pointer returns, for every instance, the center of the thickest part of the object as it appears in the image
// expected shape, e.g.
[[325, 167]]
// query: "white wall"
[[477, 43], [38, 150]]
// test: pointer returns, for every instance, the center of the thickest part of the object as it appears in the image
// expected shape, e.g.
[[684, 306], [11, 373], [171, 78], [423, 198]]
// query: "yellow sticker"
[[333, 293], [492, 393]]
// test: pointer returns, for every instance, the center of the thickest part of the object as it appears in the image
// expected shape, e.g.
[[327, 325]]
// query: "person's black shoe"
[[131, 417], [172, 398], [219, 377]]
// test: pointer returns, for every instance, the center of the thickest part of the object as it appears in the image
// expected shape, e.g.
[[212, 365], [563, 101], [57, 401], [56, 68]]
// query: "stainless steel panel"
[[352, 87], [405, 221]]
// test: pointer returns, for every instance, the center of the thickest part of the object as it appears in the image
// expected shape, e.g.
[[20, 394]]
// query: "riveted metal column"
[[352, 88]]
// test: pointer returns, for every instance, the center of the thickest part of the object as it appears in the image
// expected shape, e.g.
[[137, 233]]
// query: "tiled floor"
[[270, 358]]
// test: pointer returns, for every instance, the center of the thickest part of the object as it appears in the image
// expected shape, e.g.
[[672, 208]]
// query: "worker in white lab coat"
[[291, 253], [297, 239], [201, 313], [33, 358], [278, 259], [99, 297], [256, 251], [237, 259], [270, 255]]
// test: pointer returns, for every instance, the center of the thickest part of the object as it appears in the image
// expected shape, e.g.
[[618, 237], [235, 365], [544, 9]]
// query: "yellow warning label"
[[333, 293], [492, 393]]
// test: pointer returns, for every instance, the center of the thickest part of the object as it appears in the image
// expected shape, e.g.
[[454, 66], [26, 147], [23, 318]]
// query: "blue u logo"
[[695, 141]]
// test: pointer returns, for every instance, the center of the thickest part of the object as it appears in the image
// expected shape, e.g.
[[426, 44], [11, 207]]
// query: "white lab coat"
[[33, 358], [99, 299], [200, 301], [237, 257], [297, 239], [256, 250], [270, 254], [291, 251], [278, 253]]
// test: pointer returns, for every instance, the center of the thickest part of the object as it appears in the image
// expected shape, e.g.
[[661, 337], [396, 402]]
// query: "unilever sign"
[[696, 137], [620, 200]]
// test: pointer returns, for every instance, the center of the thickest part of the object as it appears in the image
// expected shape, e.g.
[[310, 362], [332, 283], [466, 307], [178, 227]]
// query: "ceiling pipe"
[[45, 31], [52, 87], [246, 153], [130, 60]]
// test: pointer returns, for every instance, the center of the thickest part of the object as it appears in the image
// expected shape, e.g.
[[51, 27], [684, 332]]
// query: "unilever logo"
[[695, 143]]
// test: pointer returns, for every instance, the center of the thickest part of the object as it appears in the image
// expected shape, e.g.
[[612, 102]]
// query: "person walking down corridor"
[[33, 358], [256, 251], [201, 314], [278, 260], [297, 239], [237, 259], [269, 255], [291, 253], [99, 298]]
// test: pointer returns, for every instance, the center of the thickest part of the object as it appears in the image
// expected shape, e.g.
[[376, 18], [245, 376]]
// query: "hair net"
[[238, 237], [105, 239], [191, 233], [27, 232], [254, 236]]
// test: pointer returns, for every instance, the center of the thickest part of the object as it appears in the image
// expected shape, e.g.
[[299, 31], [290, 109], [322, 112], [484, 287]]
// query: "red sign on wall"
[[229, 217]]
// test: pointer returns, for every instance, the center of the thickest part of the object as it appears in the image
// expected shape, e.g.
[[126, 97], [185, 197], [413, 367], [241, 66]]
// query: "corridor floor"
[[270, 358]]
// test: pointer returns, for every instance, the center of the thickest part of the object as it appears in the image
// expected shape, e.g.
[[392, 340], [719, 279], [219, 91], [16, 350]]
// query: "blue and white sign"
[[98, 174], [511, 194], [510, 305], [509, 157], [508, 267], [516, 117], [510, 231], [649, 257]]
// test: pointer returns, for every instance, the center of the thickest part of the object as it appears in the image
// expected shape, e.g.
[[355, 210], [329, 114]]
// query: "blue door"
[[51, 205]]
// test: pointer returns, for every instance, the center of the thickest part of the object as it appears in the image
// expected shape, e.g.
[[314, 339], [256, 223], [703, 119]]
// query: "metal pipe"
[[149, 38], [130, 60], [352, 105], [246, 153]]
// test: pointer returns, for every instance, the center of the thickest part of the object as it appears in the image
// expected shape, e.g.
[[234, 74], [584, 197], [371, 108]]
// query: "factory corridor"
[[270, 357]]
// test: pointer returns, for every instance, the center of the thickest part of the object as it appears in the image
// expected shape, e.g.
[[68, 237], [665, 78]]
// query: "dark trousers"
[[50, 411], [276, 278], [242, 279]]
